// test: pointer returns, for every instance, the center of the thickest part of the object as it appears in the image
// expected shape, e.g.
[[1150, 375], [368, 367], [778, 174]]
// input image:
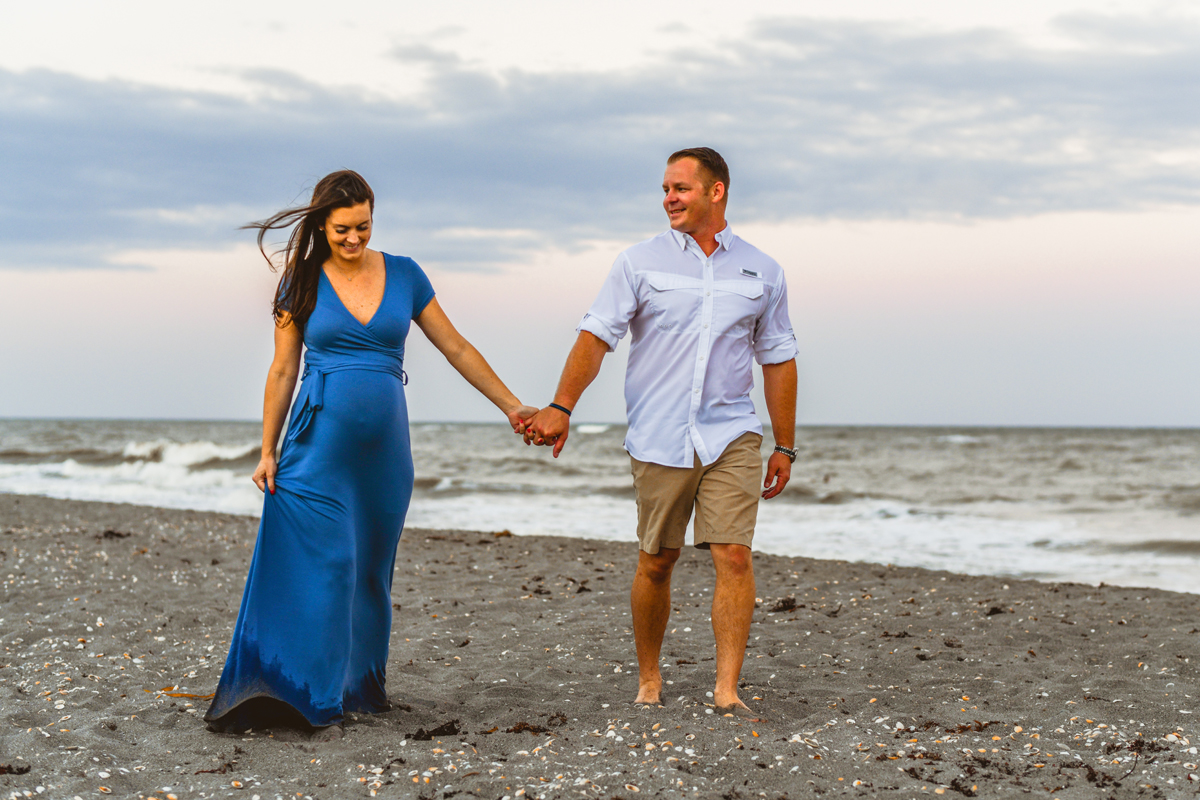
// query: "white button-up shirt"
[[696, 323]]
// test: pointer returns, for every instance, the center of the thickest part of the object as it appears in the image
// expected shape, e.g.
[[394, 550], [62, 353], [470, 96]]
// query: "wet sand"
[[512, 671]]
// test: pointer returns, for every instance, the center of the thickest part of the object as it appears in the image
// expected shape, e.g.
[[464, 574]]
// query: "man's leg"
[[732, 610], [651, 603]]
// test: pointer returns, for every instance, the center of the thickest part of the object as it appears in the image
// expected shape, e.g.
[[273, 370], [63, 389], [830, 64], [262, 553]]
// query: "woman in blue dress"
[[311, 640]]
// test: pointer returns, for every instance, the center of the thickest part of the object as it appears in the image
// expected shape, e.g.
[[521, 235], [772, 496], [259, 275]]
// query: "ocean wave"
[[1174, 547], [195, 455], [971, 499], [188, 454], [1184, 499], [806, 495], [623, 492], [86, 455], [503, 466], [447, 487]]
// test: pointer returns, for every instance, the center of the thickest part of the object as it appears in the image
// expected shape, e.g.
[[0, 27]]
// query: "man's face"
[[689, 203]]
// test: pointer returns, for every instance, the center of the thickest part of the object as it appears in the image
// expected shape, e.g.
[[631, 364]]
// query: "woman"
[[311, 640]]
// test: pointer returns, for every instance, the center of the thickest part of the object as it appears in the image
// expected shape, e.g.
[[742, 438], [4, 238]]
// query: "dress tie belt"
[[312, 390]]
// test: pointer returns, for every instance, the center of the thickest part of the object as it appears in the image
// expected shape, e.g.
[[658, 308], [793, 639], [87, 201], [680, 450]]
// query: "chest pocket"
[[737, 306], [674, 300]]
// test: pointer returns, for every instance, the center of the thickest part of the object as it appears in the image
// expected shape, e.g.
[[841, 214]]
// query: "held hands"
[[779, 472], [264, 474], [548, 428], [519, 417]]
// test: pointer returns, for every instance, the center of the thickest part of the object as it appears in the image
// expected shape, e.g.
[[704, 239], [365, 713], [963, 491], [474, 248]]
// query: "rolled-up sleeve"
[[774, 339], [608, 318]]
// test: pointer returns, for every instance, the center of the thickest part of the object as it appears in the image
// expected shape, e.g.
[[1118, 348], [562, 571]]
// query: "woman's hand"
[[264, 474], [519, 416], [549, 429]]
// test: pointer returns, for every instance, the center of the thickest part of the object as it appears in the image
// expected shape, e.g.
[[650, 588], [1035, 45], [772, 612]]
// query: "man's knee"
[[657, 567], [732, 560]]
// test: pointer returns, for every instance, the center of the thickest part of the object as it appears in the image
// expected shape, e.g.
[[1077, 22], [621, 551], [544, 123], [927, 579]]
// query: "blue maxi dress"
[[315, 621]]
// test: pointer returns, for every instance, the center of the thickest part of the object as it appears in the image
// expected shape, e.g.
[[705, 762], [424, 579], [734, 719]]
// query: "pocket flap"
[[664, 281], [749, 289]]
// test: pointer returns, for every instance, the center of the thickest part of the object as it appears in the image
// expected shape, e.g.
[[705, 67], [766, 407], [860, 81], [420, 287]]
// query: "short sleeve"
[[774, 339], [608, 318], [282, 303], [422, 289]]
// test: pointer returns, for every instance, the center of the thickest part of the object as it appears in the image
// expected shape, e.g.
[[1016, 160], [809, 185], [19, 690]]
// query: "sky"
[[988, 213]]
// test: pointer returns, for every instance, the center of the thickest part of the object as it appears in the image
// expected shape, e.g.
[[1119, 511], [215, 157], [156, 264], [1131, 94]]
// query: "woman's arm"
[[281, 383], [471, 365]]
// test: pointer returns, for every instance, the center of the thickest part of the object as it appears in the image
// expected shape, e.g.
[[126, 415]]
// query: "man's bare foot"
[[740, 710], [331, 733], [649, 694]]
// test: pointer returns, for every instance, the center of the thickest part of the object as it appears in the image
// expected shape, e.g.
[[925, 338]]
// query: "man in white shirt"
[[699, 304]]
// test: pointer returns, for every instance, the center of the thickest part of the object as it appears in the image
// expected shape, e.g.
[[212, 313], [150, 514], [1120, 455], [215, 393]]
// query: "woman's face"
[[348, 230]]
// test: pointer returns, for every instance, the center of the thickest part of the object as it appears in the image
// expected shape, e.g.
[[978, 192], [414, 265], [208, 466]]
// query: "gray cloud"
[[817, 119]]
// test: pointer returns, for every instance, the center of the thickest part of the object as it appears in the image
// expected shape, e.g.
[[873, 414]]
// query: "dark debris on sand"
[[509, 681]]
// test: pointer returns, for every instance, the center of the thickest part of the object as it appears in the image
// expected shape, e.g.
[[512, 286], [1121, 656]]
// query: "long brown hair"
[[307, 249]]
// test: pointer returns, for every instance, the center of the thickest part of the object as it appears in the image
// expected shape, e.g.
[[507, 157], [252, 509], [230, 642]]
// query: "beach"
[[512, 671]]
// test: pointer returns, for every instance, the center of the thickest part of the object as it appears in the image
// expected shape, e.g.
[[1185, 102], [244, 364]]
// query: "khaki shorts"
[[725, 494]]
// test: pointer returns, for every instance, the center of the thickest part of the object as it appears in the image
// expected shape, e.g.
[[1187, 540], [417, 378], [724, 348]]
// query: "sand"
[[512, 671]]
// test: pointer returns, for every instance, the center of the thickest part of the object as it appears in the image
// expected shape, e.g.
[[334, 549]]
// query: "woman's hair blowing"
[[307, 248]]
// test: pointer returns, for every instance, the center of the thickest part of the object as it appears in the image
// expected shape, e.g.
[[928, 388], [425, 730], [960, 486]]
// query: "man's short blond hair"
[[710, 162]]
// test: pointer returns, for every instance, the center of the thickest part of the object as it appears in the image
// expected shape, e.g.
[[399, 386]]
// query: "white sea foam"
[[148, 483], [958, 438], [588, 429]]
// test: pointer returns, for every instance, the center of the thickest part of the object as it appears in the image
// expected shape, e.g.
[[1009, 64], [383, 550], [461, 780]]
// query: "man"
[[700, 303]]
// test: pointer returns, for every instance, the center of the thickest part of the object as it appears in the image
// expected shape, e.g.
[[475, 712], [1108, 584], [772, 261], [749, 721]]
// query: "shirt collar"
[[724, 238]]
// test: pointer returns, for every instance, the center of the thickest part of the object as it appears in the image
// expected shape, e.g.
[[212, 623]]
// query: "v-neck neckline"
[[346, 308]]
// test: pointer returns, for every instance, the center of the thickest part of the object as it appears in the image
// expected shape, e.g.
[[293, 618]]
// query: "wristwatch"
[[787, 451]]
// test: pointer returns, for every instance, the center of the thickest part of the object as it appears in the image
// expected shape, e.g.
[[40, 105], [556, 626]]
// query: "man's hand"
[[519, 417], [779, 472], [549, 427]]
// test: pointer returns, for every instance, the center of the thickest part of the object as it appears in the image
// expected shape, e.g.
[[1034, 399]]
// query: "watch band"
[[787, 451]]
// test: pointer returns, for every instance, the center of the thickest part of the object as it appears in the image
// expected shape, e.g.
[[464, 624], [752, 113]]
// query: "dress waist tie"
[[312, 390]]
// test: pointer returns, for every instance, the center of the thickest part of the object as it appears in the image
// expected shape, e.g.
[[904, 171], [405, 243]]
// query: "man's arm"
[[551, 426], [779, 386]]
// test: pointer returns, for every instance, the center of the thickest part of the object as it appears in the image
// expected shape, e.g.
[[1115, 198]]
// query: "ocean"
[[1117, 506]]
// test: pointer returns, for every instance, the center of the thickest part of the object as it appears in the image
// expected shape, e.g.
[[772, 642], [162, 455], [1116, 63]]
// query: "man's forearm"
[[779, 387], [582, 367]]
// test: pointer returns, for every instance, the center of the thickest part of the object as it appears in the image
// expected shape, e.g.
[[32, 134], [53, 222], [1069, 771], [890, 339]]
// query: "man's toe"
[[740, 711]]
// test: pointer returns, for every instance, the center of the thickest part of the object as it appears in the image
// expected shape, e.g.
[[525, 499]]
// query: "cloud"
[[818, 119], [419, 53]]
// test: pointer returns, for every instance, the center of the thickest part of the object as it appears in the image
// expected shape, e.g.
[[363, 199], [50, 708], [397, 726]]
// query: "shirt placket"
[[703, 350]]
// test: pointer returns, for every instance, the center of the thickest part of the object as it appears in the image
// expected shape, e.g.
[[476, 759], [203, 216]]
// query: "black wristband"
[[566, 411]]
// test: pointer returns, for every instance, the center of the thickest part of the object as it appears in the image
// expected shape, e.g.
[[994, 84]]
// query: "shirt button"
[[697, 391], [706, 324], [707, 294]]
